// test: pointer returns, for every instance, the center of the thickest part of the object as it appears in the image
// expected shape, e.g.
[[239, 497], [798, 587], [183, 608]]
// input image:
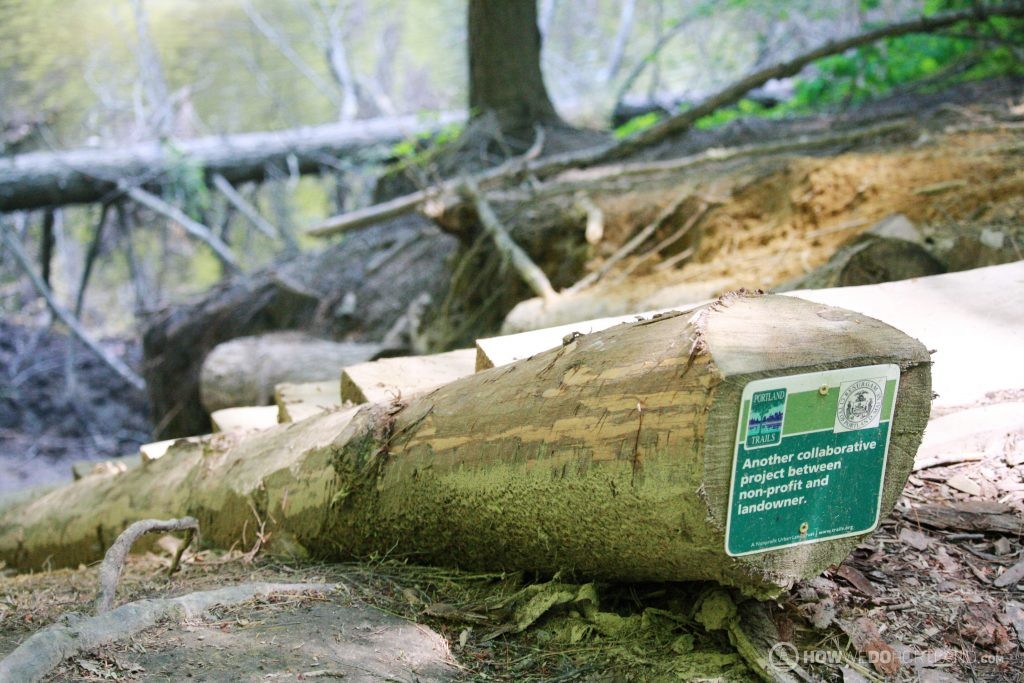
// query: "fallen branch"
[[45, 649], [192, 227], [244, 207], [66, 317], [520, 260], [667, 242], [399, 206], [113, 561]]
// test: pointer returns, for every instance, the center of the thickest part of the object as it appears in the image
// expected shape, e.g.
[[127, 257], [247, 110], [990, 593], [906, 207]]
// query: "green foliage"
[[186, 182], [637, 124], [422, 148], [742, 109], [918, 61]]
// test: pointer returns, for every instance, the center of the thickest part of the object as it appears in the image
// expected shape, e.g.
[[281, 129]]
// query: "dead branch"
[[361, 218], [113, 561], [667, 242], [192, 227], [66, 317], [594, 231], [90, 258], [244, 207], [520, 260], [632, 245]]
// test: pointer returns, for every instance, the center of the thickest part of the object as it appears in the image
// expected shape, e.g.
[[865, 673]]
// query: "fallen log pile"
[[627, 454]]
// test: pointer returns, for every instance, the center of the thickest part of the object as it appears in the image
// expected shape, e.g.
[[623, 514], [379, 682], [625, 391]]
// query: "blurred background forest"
[[107, 75], [76, 73]]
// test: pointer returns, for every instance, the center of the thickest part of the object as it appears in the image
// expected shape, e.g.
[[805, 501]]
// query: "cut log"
[[299, 401], [612, 456], [389, 379], [244, 371], [937, 310], [603, 301], [244, 418], [933, 309], [301, 294], [892, 249]]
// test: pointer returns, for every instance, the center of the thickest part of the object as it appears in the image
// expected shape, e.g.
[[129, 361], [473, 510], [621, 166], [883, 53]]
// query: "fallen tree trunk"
[[613, 456], [41, 179], [245, 371]]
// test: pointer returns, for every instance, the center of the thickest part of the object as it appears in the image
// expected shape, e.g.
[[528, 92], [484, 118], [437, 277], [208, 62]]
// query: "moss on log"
[[610, 457]]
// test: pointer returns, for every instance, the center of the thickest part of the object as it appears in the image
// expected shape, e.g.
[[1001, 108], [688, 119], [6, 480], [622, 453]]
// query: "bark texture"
[[609, 457], [504, 65]]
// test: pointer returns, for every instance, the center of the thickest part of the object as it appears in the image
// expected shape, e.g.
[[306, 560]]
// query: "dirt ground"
[[59, 404]]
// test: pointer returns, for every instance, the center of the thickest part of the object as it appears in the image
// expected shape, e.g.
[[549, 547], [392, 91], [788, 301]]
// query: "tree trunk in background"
[[504, 65]]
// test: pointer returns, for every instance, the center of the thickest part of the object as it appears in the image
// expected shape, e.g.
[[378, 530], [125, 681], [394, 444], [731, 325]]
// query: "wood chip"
[[964, 483], [856, 579], [1014, 612], [1011, 576], [915, 539], [975, 515]]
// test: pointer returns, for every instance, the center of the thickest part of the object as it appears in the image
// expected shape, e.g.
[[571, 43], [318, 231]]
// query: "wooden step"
[[298, 401], [386, 379], [971, 318], [245, 418]]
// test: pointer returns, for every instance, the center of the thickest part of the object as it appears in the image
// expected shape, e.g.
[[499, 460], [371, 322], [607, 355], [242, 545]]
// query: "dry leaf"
[[915, 539], [856, 579]]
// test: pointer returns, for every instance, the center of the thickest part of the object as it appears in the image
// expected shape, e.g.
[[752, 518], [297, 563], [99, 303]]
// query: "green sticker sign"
[[810, 457]]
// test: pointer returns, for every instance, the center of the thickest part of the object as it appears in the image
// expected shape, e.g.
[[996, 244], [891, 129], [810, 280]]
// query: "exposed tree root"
[[113, 561], [46, 649]]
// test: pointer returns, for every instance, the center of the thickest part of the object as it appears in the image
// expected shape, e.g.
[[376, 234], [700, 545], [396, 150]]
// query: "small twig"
[[520, 260], [113, 560], [594, 232], [693, 220], [192, 227], [670, 263], [90, 258], [402, 205], [630, 246], [244, 207], [66, 317]]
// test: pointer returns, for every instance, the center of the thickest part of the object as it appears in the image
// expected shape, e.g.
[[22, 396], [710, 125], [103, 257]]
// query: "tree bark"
[[504, 66], [46, 179], [610, 456]]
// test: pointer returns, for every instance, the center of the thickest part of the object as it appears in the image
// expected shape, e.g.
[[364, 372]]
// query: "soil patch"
[[60, 404]]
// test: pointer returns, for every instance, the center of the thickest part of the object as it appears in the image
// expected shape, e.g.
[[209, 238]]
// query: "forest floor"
[[935, 591]]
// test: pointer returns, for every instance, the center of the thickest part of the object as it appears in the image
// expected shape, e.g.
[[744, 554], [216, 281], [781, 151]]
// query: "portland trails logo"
[[860, 404], [764, 424]]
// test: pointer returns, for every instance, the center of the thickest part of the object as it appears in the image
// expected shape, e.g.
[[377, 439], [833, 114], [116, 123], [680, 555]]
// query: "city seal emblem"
[[860, 404]]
